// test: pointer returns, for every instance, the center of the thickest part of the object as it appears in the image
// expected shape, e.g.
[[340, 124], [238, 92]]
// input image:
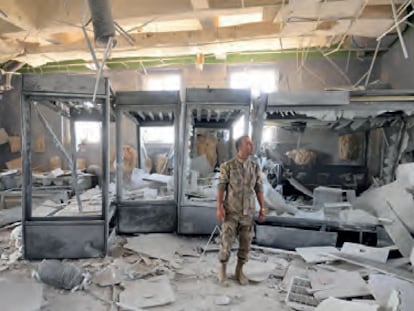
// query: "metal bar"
[[208, 115], [341, 72], [25, 112], [395, 25], [199, 114], [74, 164], [400, 36], [140, 160], [119, 155], [170, 115], [54, 137], [55, 108], [51, 95], [218, 115], [106, 107], [141, 115], [98, 75], [161, 116], [372, 63], [124, 34], [151, 115], [227, 116], [360, 79]]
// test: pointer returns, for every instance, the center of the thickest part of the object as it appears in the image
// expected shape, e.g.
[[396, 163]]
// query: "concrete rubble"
[[299, 267]]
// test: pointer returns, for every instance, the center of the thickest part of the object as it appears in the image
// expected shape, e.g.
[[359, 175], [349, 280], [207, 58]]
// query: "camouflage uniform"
[[240, 180]]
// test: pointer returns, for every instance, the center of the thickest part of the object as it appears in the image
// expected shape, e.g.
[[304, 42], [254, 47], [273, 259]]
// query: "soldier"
[[240, 180]]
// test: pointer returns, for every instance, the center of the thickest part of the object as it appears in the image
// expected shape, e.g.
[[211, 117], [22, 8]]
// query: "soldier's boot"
[[222, 277], [240, 275]]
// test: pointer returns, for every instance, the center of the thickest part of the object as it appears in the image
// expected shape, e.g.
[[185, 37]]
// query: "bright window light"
[[238, 128], [87, 132], [257, 80], [158, 134], [162, 82], [268, 134]]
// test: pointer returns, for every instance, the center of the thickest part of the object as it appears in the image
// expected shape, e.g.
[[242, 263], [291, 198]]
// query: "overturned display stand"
[[147, 126], [385, 115], [210, 120], [82, 234]]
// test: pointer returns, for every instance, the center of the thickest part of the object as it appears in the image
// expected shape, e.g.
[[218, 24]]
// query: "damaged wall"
[[317, 74], [324, 142], [395, 69], [10, 121]]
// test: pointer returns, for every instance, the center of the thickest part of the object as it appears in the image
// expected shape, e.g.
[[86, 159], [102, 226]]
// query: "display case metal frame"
[[147, 216], [333, 107], [194, 217], [64, 236]]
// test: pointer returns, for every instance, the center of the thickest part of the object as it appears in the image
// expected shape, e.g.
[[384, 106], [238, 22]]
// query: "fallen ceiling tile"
[[20, 295], [381, 285], [161, 246], [373, 253], [147, 293], [338, 284], [316, 254], [343, 305]]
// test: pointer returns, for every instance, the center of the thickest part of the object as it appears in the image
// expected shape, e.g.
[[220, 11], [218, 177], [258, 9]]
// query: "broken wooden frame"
[[146, 109], [207, 109], [64, 236]]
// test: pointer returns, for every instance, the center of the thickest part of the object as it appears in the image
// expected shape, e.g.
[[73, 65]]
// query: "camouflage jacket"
[[240, 180]]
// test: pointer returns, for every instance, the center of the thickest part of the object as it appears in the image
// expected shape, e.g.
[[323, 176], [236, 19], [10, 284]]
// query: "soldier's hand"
[[262, 215], [220, 214]]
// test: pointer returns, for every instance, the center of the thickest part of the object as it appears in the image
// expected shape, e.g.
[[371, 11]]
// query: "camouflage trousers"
[[232, 226]]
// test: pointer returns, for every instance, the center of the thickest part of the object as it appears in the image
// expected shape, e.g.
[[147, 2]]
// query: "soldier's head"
[[244, 146]]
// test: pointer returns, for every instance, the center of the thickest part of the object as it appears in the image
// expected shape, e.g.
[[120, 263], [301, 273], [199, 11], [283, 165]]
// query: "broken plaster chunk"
[[156, 291], [331, 304], [222, 301]]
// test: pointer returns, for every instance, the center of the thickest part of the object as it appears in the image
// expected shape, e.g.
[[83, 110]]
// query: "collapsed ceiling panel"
[[159, 28], [173, 25], [248, 16], [370, 27]]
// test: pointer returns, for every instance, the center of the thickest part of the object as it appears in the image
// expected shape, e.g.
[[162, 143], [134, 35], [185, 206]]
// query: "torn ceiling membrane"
[[156, 28]]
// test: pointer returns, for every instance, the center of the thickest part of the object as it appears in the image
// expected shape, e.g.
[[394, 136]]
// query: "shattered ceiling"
[[38, 32]]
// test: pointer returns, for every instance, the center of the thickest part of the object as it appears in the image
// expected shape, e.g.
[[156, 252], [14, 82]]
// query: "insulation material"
[[302, 156], [15, 143], [14, 164], [161, 163], [348, 147], [370, 27], [207, 145], [55, 162], [4, 137], [40, 144], [130, 158], [81, 164]]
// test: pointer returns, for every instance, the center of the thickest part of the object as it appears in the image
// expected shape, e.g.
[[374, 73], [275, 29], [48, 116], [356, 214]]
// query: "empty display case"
[[213, 118], [147, 125], [77, 230]]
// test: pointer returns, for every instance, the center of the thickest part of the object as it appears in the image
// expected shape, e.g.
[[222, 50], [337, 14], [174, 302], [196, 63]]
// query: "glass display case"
[[213, 118], [147, 125], [58, 227]]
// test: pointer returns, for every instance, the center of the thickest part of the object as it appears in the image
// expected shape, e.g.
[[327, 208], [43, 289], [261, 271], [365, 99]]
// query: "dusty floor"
[[192, 279]]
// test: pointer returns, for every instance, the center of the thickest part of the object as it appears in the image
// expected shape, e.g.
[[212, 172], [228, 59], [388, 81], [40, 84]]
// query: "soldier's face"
[[247, 146]]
